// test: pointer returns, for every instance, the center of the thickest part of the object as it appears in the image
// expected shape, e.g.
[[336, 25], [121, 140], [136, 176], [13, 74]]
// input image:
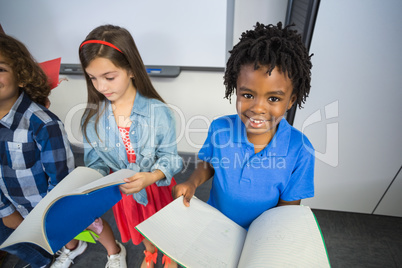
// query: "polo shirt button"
[[133, 132], [118, 144]]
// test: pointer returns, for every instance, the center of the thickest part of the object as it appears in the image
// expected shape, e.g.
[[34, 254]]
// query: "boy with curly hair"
[[257, 160]]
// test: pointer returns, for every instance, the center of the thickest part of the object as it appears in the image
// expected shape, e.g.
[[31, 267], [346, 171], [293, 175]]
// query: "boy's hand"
[[185, 189], [13, 221], [138, 182]]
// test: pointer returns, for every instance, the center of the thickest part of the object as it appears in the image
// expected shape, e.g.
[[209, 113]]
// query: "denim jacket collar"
[[141, 106]]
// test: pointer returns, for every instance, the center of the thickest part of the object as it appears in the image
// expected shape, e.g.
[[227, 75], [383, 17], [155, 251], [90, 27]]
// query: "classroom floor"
[[352, 239]]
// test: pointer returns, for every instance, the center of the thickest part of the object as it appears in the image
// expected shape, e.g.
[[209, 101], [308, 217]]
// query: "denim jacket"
[[152, 135]]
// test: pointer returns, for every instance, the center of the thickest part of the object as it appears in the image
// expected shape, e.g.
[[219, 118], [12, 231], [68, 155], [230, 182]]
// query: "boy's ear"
[[292, 101]]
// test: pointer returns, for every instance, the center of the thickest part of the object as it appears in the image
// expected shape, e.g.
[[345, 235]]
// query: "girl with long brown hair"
[[127, 125]]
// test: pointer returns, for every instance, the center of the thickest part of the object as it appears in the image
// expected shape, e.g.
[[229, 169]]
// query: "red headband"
[[100, 42]]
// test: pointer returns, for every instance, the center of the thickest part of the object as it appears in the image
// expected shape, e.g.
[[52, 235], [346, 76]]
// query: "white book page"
[[286, 236], [109, 180], [195, 236]]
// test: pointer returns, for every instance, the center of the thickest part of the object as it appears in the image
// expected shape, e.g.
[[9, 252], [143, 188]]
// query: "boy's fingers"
[[176, 192], [182, 191], [186, 200]]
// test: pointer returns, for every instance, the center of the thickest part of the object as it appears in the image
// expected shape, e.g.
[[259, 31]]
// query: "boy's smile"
[[262, 101]]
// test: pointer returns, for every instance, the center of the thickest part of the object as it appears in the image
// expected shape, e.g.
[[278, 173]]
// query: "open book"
[[69, 208], [201, 236]]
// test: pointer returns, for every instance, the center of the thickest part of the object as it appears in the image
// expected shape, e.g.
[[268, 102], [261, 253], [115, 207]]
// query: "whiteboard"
[[185, 33]]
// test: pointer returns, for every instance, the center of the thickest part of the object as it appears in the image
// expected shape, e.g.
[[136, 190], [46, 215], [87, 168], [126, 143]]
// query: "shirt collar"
[[240, 134], [17, 110], [141, 105], [279, 144]]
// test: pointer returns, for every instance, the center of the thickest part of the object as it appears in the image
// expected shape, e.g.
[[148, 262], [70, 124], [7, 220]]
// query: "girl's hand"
[[139, 181], [185, 189]]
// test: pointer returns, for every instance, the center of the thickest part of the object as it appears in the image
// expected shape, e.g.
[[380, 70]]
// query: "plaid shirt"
[[35, 155]]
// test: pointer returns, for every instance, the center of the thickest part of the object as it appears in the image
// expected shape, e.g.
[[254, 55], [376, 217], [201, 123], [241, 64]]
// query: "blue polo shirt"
[[246, 184]]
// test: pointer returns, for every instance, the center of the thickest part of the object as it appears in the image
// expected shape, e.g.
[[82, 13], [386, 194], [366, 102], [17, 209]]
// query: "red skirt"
[[128, 213]]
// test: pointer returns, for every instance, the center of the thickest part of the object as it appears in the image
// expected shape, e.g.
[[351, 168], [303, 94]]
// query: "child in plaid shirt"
[[35, 153]]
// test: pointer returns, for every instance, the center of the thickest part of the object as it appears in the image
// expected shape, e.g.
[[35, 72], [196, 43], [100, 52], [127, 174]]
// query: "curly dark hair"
[[271, 46], [26, 70]]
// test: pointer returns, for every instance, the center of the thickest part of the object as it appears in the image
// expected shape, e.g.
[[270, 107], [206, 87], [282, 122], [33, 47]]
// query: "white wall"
[[353, 114], [196, 96], [248, 12]]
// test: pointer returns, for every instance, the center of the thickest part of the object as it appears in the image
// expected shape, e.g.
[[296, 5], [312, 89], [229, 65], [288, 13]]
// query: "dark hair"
[[271, 46], [26, 70], [128, 59]]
